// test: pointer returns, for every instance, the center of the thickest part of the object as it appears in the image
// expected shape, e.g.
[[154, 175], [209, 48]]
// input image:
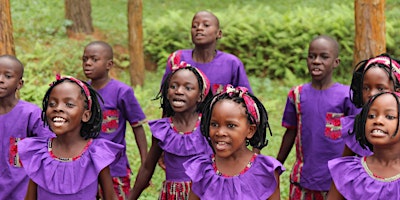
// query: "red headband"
[[388, 62], [175, 66], [243, 93], [81, 84]]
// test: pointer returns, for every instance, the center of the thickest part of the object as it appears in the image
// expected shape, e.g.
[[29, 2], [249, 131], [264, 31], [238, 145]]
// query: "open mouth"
[[58, 121]]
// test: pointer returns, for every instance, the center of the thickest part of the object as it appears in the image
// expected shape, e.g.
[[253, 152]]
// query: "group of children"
[[346, 138]]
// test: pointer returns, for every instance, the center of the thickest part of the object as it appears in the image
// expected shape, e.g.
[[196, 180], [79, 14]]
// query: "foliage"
[[269, 36]]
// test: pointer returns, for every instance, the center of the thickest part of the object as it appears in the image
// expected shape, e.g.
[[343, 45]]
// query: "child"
[[232, 120], [18, 120], [71, 165], [374, 75], [178, 134], [221, 68], [376, 176], [312, 120], [120, 105]]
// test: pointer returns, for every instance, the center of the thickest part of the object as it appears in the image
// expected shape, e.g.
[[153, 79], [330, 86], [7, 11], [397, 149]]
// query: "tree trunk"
[[370, 28], [135, 30], [79, 14], [6, 29]]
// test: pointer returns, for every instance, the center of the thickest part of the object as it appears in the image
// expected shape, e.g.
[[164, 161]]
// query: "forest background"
[[271, 38]]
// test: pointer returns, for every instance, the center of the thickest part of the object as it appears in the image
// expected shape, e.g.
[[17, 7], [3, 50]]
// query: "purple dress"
[[350, 139], [354, 180], [258, 182], [60, 179], [224, 69], [178, 148], [21, 122], [316, 115], [120, 105]]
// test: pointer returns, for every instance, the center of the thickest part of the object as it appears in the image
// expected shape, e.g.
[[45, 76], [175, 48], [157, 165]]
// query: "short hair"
[[105, 46], [210, 13], [16, 60], [334, 43]]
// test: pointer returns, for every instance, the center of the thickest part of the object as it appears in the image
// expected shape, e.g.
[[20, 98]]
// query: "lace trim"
[[50, 149], [185, 133], [371, 174], [248, 166]]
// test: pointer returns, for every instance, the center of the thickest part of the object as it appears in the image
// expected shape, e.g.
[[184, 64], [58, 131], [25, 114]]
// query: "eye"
[[172, 86], [365, 88], [84, 59], [231, 126], [51, 104], [390, 117], [70, 105], [311, 56], [213, 124], [370, 116]]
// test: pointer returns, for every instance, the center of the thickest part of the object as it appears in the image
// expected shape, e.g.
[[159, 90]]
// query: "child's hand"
[[161, 162]]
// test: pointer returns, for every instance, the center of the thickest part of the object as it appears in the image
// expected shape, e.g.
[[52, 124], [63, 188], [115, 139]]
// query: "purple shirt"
[[350, 138], [319, 136], [178, 147], [120, 105], [60, 179], [21, 122], [224, 69]]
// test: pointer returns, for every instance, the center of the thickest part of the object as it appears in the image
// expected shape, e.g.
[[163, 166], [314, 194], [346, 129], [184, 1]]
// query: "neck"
[[185, 122], [386, 155], [7, 104], [204, 55], [322, 84], [100, 83]]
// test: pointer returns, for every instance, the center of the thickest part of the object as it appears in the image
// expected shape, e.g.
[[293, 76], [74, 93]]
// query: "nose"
[[178, 90], [378, 120], [317, 59]]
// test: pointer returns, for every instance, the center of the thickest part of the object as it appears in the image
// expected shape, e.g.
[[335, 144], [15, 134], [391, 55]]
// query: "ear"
[[219, 34], [20, 84], [86, 115], [336, 62], [251, 131], [110, 63]]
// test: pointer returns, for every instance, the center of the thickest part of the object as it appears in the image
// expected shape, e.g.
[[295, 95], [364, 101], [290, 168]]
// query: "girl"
[[177, 135], [71, 165], [232, 120], [376, 176], [377, 74]]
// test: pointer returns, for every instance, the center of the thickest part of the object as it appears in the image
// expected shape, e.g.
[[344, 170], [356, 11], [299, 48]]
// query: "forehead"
[[96, 49], [204, 16], [186, 75], [66, 89], [321, 45], [384, 102], [229, 107], [10, 65]]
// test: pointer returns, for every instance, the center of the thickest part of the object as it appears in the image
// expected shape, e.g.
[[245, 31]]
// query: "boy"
[[18, 119], [120, 105], [312, 121]]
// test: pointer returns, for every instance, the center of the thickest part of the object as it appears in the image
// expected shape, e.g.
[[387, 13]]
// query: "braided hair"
[[91, 128], [356, 87], [162, 95], [259, 139], [361, 119]]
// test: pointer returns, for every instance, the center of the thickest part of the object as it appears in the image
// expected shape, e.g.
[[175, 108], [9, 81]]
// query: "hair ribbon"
[[80, 84]]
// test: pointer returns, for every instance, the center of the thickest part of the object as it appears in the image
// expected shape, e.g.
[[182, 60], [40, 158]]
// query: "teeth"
[[221, 143], [58, 121], [377, 131]]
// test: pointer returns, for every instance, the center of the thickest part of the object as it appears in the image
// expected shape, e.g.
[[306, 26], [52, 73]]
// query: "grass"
[[42, 45]]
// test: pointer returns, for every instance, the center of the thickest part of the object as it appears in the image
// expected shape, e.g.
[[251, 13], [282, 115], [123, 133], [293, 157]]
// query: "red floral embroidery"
[[13, 157], [110, 121], [333, 127]]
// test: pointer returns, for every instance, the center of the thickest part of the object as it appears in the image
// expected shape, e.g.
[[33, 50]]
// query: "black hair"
[[334, 42], [356, 87], [91, 128], [14, 59], [259, 139], [361, 119], [105, 46], [162, 95]]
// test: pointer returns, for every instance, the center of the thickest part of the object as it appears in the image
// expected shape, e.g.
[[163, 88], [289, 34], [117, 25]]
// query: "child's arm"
[[287, 144], [334, 194], [146, 170], [31, 194], [277, 193], [106, 184], [193, 196], [141, 141], [347, 151]]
